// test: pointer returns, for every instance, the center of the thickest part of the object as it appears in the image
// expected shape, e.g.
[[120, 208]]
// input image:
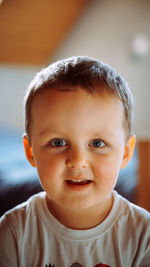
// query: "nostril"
[[71, 164], [76, 164]]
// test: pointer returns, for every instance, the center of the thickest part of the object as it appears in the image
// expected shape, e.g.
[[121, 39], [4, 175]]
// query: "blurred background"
[[34, 33]]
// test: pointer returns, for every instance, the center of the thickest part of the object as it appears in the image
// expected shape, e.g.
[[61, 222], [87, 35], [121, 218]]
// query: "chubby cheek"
[[49, 168], [106, 171]]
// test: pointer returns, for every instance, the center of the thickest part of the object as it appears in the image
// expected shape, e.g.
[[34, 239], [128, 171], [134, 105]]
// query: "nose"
[[76, 164], [77, 159]]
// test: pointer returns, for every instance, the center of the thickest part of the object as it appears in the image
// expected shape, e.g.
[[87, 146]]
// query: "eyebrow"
[[54, 129], [48, 129]]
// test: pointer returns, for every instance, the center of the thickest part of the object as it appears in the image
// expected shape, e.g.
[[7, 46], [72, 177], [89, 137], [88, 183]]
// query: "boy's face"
[[78, 146]]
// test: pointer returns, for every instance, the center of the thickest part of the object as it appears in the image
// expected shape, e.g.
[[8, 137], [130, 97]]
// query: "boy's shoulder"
[[25, 209], [131, 212]]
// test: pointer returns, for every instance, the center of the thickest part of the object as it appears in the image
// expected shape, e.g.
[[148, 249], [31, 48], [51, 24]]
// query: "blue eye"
[[58, 142], [97, 143]]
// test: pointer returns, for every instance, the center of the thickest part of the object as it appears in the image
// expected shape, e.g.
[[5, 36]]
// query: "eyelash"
[[96, 142], [60, 140], [62, 143]]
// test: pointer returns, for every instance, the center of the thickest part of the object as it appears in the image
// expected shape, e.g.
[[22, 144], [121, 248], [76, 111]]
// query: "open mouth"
[[78, 182]]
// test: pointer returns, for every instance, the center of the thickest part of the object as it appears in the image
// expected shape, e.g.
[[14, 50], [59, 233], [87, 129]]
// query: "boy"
[[78, 118]]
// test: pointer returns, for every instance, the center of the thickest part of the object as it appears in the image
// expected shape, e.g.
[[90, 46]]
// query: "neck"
[[81, 219]]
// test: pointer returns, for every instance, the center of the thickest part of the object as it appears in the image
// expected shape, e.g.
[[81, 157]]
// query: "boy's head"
[[78, 118], [88, 73]]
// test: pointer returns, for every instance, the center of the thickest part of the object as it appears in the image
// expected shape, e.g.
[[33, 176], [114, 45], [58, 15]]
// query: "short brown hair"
[[90, 74]]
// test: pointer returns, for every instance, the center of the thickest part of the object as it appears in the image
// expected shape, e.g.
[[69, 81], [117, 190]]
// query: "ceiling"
[[32, 30]]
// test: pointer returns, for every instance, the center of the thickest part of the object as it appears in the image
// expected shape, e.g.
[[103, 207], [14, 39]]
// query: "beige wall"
[[13, 83]]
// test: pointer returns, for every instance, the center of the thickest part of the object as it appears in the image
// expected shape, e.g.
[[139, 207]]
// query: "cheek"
[[49, 167], [107, 169]]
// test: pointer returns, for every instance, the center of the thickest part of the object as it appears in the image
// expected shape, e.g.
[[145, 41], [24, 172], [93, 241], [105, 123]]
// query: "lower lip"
[[75, 187]]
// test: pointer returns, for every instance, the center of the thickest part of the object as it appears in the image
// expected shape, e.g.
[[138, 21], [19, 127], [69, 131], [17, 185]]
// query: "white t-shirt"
[[31, 236]]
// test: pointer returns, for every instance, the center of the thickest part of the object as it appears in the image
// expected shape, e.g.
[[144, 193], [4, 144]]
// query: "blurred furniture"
[[143, 189]]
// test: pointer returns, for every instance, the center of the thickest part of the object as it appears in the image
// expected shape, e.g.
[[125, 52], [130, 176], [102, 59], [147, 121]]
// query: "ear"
[[128, 150], [28, 151]]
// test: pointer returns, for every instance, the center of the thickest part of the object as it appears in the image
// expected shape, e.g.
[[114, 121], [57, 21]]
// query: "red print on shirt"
[[76, 264]]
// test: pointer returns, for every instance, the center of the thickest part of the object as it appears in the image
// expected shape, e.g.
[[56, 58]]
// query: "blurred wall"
[[13, 82], [106, 31]]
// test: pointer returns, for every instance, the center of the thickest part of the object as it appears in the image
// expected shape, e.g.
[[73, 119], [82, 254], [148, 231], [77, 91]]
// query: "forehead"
[[77, 95], [78, 109]]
